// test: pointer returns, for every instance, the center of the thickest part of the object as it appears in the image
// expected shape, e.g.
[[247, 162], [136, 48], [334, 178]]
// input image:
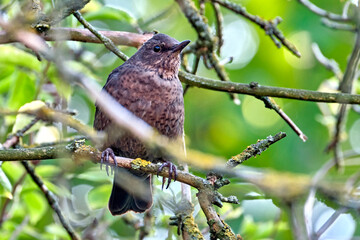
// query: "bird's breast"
[[159, 103]]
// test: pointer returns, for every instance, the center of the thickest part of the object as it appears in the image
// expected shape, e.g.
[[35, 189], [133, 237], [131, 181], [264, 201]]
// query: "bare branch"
[[323, 13], [346, 86], [338, 26], [255, 89], [254, 149], [106, 41], [50, 115], [330, 64], [51, 199], [219, 26], [61, 10], [330, 221], [271, 104], [205, 40], [30, 170], [270, 26], [84, 35]]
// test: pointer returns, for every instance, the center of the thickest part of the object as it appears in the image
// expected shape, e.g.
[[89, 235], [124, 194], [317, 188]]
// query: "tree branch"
[[105, 40], [207, 188], [12, 141], [323, 13], [346, 86], [254, 149], [84, 35], [255, 89], [270, 26], [135, 40], [329, 64], [50, 115], [80, 151], [50, 198]]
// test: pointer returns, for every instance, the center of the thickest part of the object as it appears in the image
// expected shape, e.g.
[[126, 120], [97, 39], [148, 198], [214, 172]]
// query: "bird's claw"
[[105, 160], [172, 173]]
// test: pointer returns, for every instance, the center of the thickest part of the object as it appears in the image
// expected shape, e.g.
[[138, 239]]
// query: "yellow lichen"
[[85, 152], [192, 228], [138, 162]]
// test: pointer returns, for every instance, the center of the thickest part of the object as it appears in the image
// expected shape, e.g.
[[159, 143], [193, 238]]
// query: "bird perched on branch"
[[147, 85]]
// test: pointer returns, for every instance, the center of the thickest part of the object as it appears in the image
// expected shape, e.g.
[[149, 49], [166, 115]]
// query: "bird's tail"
[[122, 201]]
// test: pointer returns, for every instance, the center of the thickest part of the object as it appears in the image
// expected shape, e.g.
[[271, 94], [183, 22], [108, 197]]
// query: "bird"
[[147, 84]]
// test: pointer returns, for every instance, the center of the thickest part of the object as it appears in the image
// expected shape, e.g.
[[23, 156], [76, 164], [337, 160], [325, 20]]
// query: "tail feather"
[[122, 201]]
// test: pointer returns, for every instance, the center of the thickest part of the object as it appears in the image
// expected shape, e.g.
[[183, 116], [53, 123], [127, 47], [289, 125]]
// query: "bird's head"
[[160, 53]]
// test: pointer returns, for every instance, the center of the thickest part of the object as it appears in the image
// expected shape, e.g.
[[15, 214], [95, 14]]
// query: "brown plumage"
[[147, 84]]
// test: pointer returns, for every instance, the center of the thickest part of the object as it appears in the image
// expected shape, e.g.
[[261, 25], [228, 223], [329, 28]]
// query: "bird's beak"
[[181, 46]]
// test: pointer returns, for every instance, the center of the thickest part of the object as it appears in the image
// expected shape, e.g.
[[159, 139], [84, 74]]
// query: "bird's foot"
[[105, 160], [172, 173]]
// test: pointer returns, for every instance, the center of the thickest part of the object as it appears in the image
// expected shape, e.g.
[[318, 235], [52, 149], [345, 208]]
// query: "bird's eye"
[[157, 48]]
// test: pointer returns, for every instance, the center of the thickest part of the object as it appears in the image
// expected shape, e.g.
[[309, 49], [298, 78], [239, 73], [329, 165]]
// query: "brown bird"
[[148, 85]]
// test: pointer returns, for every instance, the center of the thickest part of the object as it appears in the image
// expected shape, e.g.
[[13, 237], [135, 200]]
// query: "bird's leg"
[[105, 160], [172, 172]]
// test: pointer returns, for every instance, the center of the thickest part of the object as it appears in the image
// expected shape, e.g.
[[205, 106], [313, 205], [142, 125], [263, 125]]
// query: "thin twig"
[[84, 35], [147, 226], [271, 104], [221, 73], [50, 115], [329, 64], [107, 42], [338, 26], [61, 10], [219, 26], [19, 228], [193, 71], [346, 86], [254, 149], [320, 174], [14, 138], [50, 198], [205, 40], [8, 200], [330, 221], [269, 26], [297, 221], [37, 180], [323, 13]]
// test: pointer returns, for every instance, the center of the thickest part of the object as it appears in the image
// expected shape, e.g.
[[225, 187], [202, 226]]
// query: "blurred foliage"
[[213, 123]]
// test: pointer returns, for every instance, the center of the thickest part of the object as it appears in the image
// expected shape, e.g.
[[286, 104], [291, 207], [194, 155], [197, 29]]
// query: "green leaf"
[[47, 171], [5, 77], [256, 230], [47, 134], [55, 230], [11, 55], [5, 84], [22, 89], [95, 175], [109, 13], [35, 204], [5, 185], [13, 170], [63, 88], [22, 119], [57, 189], [99, 196]]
